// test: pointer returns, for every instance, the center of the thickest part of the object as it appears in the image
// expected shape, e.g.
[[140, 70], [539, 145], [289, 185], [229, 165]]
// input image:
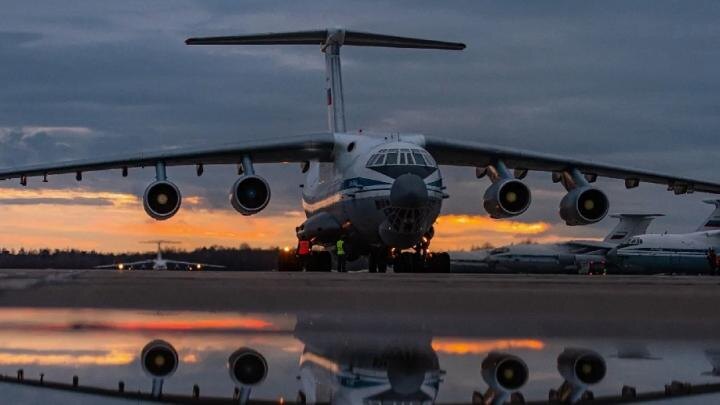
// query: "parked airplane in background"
[[575, 256], [158, 263], [381, 192], [692, 253]]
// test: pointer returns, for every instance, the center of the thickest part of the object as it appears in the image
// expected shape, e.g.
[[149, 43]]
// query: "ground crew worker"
[[713, 259], [303, 253], [340, 250]]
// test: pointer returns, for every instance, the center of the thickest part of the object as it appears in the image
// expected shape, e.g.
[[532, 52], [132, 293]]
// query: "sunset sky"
[[624, 83]]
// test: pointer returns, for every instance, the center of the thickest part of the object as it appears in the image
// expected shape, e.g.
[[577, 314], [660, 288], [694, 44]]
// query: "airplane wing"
[[126, 265], [468, 153], [194, 265], [288, 149]]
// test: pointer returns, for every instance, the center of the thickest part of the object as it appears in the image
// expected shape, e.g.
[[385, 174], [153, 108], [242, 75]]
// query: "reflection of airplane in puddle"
[[158, 263], [344, 364]]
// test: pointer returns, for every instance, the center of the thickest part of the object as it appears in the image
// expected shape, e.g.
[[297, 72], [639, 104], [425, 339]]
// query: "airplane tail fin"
[[629, 225], [712, 223], [330, 41]]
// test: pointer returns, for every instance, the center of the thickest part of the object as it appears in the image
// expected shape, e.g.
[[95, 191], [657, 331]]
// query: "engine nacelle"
[[504, 372], [159, 359], [506, 198], [250, 194], [162, 200], [583, 206], [580, 368], [247, 367]]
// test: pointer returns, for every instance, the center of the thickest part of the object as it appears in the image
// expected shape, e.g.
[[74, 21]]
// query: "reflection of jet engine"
[[161, 199], [504, 374], [580, 368], [250, 194], [247, 368], [159, 359], [506, 198], [584, 205]]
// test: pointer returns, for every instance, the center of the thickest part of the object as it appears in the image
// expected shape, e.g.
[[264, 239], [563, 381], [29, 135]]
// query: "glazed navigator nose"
[[408, 191]]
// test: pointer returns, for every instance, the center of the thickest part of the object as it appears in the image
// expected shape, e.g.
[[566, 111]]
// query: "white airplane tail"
[[330, 41], [630, 225], [712, 223]]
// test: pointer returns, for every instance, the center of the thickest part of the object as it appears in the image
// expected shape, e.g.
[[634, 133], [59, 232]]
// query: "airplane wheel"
[[372, 263], [382, 266], [320, 261], [440, 263], [407, 263]]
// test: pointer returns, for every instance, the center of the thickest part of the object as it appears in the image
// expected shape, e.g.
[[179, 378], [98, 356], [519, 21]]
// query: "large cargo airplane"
[[671, 253], [159, 263], [574, 256], [381, 192]]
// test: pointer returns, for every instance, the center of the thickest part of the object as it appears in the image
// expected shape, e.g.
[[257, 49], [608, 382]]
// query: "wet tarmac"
[[350, 338]]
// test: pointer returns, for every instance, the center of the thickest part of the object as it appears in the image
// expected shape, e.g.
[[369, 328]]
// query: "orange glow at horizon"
[[459, 346], [115, 222], [113, 358]]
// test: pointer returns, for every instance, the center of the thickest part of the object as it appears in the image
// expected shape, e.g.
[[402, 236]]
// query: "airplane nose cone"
[[408, 191]]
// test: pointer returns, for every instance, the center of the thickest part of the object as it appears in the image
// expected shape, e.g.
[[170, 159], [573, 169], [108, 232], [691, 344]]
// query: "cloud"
[[622, 83]]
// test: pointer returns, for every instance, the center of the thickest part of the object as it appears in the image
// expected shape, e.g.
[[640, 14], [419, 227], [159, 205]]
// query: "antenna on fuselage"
[[330, 41]]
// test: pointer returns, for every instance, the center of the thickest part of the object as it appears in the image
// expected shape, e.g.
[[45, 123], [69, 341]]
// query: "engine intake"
[[506, 198], [504, 372], [584, 205], [250, 194], [162, 200], [247, 367], [159, 359]]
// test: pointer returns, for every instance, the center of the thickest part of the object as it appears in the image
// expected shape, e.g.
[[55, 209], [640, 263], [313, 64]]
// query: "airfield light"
[[286, 249]]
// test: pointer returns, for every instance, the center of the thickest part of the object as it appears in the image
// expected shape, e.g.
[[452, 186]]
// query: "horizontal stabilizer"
[[325, 37]]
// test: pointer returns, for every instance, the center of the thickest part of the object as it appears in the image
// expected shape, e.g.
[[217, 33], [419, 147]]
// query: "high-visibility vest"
[[339, 245], [303, 247]]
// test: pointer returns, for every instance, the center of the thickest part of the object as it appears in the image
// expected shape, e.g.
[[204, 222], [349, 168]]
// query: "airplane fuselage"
[[666, 253], [356, 189]]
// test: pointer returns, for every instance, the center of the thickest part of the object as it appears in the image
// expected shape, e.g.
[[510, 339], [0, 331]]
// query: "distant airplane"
[[671, 253], [575, 256], [158, 263], [381, 192]]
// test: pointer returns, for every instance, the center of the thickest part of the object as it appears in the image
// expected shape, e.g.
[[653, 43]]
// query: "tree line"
[[242, 258]]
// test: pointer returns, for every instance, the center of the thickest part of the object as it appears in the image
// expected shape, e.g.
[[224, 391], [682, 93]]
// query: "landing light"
[[121, 266], [198, 266]]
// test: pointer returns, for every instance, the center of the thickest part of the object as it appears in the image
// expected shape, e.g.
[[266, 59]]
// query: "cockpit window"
[[393, 157]]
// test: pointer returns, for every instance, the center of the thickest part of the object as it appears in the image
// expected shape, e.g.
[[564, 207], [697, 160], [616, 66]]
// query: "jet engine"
[[250, 194], [161, 199], [583, 205], [321, 227], [506, 197]]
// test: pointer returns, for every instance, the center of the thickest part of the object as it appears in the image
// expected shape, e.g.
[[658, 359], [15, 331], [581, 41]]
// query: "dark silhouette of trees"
[[243, 258]]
